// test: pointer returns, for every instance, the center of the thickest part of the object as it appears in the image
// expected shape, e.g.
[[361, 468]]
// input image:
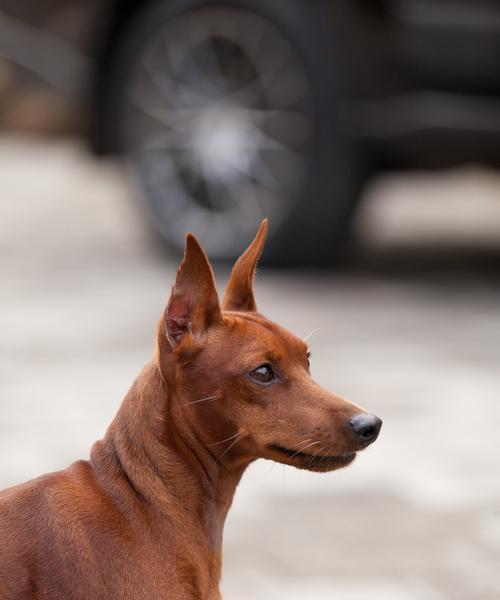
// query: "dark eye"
[[308, 359], [262, 374]]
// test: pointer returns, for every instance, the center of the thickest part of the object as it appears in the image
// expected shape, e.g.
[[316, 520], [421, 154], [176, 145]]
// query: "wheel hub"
[[222, 143]]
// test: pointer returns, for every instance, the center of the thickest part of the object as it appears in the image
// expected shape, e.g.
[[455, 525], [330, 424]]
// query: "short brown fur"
[[143, 518]]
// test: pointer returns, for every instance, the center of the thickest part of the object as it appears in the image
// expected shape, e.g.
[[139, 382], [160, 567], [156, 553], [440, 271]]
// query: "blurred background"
[[368, 131]]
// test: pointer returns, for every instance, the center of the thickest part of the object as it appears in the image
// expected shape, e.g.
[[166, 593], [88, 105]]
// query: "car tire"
[[310, 217]]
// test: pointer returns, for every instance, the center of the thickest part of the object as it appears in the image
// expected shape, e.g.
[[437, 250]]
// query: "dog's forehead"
[[260, 334]]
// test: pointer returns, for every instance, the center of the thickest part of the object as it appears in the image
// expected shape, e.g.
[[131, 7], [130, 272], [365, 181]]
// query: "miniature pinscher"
[[143, 518]]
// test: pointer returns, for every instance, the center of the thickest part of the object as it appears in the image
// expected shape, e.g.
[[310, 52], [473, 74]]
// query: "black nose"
[[366, 426]]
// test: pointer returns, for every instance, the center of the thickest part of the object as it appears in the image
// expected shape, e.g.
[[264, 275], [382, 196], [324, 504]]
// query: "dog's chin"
[[311, 462]]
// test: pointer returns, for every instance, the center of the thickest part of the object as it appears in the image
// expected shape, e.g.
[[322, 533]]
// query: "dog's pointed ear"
[[194, 304], [239, 292]]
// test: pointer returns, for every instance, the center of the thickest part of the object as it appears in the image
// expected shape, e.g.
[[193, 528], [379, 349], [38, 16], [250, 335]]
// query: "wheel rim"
[[217, 124]]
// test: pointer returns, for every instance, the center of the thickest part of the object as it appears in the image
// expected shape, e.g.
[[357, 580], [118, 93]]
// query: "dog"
[[143, 518]]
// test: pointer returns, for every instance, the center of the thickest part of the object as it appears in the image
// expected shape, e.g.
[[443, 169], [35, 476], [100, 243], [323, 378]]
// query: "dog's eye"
[[262, 374], [308, 359]]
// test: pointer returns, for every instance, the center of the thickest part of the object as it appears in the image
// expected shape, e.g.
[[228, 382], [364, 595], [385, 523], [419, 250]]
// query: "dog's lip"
[[344, 458]]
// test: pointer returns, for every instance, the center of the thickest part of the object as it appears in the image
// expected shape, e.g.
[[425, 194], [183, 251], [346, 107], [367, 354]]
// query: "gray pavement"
[[409, 328]]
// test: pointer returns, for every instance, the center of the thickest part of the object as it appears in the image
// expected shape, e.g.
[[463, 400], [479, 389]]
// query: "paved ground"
[[409, 327]]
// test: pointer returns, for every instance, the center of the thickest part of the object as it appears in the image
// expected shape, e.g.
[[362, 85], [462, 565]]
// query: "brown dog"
[[143, 519]]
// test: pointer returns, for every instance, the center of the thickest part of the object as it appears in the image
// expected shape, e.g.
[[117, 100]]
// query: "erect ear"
[[194, 305], [239, 291]]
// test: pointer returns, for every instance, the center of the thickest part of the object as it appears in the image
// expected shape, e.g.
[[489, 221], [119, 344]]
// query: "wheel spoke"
[[263, 173]]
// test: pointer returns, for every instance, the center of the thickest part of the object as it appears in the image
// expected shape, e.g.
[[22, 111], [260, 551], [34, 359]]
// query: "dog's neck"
[[166, 471]]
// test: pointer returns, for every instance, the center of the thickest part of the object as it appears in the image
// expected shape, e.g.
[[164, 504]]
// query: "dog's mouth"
[[315, 462]]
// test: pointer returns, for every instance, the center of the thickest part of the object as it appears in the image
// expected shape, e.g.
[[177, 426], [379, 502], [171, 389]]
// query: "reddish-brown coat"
[[143, 518]]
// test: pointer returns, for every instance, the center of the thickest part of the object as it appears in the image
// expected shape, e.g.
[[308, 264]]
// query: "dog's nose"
[[366, 427]]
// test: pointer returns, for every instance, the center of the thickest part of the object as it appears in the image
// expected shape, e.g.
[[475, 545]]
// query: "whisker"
[[318, 452], [226, 440], [314, 455], [200, 400], [275, 462], [326, 455], [231, 445], [311, 334], [322, 454], [304, 441], [303, 448]]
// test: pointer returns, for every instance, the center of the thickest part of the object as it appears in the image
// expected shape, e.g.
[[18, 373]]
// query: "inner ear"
[[177, 319], [239, 292]]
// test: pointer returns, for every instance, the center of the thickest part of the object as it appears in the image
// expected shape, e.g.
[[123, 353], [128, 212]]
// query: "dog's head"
[[241, 384]]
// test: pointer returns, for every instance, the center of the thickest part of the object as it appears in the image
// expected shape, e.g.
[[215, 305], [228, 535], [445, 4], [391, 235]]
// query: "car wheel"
[[230, 112]]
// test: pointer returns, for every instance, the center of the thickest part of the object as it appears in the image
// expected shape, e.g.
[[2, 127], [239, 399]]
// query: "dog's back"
[[48, 527], [68, 536]]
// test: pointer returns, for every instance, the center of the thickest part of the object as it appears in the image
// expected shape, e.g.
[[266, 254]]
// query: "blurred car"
[[229, 111]]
